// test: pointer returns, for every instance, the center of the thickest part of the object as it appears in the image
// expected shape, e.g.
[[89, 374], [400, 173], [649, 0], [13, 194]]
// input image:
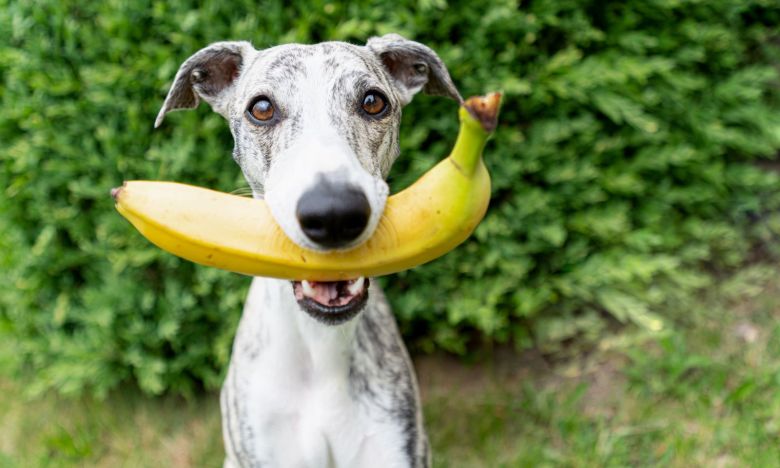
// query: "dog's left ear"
[[414, 67]]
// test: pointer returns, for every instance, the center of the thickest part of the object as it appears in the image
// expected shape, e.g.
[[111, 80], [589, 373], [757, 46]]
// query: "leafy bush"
[[626, 162]]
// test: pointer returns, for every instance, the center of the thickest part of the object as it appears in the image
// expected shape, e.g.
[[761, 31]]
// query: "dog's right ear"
[[209, 74]]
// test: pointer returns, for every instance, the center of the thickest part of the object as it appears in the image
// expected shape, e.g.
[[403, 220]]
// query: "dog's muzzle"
[[332, 302]]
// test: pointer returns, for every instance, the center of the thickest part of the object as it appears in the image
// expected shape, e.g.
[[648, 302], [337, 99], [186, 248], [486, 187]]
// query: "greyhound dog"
[[312, 381]]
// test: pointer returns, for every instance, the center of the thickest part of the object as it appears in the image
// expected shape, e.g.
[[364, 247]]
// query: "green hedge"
[[635, 152]]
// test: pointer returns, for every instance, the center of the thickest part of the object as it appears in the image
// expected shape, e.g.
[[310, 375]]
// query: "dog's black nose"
[[333, 215]]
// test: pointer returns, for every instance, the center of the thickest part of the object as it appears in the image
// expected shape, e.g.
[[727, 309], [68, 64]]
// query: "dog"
[[319, 375]]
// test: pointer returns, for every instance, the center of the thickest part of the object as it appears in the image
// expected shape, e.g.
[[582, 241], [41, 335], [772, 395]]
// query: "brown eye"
[[374, 103], [261, 109]]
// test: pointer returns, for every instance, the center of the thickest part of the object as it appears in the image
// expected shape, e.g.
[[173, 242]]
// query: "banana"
[[239, 234]]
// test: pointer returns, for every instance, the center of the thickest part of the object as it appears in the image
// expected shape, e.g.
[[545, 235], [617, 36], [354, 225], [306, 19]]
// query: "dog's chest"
[[288, 400]]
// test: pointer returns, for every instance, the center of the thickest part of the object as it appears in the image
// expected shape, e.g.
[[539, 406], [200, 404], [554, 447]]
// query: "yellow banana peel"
[[421, 223]]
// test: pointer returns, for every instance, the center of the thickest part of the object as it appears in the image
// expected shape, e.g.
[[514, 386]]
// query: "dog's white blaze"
[[318, 151]]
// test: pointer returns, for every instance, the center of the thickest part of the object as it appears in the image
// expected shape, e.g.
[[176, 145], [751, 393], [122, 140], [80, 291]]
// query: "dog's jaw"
[[334, 302]]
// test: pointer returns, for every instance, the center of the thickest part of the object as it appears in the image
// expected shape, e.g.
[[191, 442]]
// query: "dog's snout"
[[332, 216]]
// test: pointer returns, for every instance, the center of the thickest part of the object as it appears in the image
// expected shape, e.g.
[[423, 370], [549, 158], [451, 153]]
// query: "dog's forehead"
[[284, 65]]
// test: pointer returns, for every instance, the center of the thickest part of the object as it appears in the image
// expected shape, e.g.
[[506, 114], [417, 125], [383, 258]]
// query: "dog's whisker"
[[243, 192]]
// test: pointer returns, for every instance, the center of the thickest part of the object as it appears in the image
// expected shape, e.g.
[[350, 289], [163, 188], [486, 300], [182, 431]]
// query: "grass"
[[701, 393]]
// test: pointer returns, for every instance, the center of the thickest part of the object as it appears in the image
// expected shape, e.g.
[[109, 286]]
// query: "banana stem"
[[478, 117]]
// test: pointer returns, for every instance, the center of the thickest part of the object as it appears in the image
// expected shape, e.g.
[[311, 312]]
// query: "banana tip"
[[485, 109]]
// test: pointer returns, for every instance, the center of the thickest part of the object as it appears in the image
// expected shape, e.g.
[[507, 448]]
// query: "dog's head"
[[316, 132]]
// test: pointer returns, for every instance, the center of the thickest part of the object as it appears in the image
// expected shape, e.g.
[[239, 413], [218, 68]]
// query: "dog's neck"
[[298, 390], [273, 321]]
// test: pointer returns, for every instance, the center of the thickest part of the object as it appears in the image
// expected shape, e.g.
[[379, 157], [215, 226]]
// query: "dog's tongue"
[[323, 292]]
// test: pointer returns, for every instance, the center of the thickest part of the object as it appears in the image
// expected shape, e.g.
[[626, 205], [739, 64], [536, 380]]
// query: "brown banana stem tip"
[[485, 109], [115, 192]]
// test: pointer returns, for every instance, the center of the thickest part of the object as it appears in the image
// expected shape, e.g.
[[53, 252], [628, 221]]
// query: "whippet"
[[312, 381]]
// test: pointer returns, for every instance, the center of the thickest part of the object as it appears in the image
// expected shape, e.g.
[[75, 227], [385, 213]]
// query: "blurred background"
[[617, 306]]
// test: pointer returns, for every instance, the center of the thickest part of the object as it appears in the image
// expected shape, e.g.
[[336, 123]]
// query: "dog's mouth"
[[332, 302]]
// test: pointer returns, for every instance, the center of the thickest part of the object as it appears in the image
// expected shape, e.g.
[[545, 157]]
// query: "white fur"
[[295, 393]]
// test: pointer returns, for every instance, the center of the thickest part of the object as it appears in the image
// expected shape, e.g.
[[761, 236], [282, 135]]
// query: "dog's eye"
[[374, 103], [261, 109]]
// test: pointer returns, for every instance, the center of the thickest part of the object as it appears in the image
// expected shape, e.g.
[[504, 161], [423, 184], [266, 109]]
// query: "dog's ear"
[[209, 74], [413, 66]]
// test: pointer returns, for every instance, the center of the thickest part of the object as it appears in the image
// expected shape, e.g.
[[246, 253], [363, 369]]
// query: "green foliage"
[[635, 148]]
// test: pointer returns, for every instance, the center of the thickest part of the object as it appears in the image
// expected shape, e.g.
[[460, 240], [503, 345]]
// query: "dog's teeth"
[[357, 286], [308, 289]]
